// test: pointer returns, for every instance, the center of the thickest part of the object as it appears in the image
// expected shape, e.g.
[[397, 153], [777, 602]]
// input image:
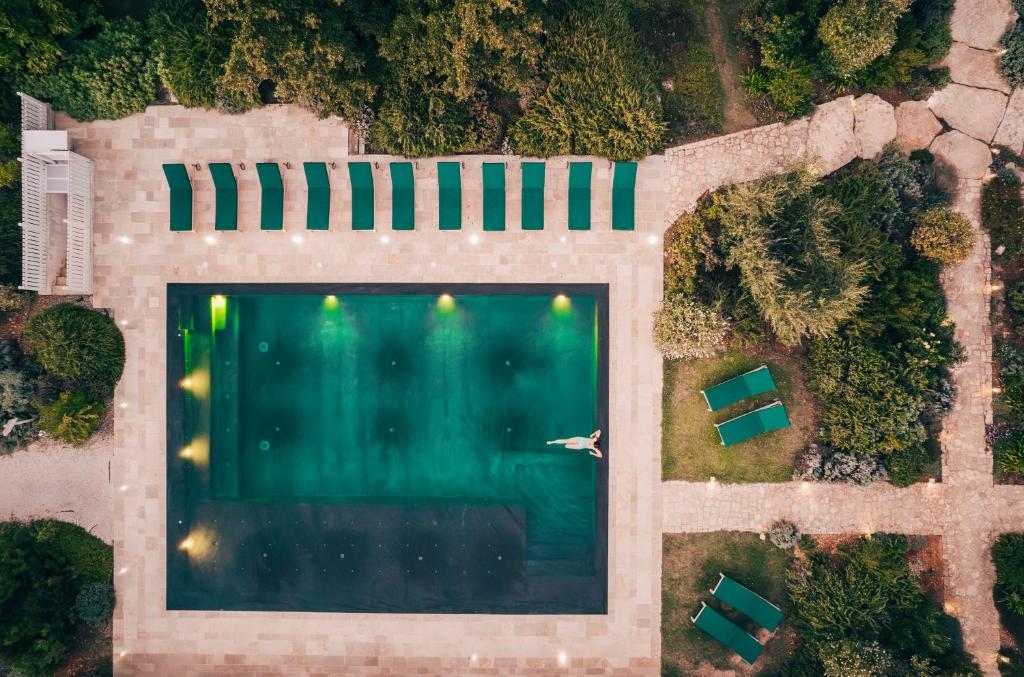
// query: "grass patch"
[[675, 34], [691, 448], [690, 566], [90, 558]]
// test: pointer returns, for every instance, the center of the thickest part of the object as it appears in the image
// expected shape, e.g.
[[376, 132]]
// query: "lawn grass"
[[690, 567], [675, 34], [691, 447]]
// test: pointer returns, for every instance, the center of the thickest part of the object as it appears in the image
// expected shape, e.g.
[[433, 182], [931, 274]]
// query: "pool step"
[[553, 559]]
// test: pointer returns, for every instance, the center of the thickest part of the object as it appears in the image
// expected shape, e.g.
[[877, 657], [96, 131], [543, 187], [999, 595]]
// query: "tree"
[[778, 234], [318, 54], [601, 97], [943, 236], [856, 32], [34, 33]]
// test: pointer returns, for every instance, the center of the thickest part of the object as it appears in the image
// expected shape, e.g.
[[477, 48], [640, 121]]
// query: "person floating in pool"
[[581, 443]]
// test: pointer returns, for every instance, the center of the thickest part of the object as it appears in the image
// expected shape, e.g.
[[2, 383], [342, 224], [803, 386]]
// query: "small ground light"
[[652, 239], [563, 659], [124, 239], [297, 239], [123, 570], [210, 240], [473, 659], [474, 239], [384, 239]]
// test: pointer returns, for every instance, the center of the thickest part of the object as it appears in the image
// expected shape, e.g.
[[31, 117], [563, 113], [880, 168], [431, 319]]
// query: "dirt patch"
[[736, 112], [13, 324]]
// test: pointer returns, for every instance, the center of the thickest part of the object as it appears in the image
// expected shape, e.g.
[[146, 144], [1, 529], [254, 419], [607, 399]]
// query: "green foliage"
[[37, 596], [316, 53], [856, 32], [862, 612], [34, 33], [90, 559], [943, 236], [10, 237], [783, 534], [1008, 556], [1012, 59], [106, 77], [417, 123], [71, 418], [79, 345], [779, 236], [688, 248], [600, 98], [12, 299], [17, 391], [10, 173], [1002, 211], [95, 603], [190, 52], [685, 329]]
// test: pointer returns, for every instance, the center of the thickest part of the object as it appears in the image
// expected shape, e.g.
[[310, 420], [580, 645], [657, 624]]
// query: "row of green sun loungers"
[[403, 208], [753, 423], [748, 603]]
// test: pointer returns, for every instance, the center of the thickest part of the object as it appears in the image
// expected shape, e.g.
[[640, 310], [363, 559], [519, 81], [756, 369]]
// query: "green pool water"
[[300, 404]]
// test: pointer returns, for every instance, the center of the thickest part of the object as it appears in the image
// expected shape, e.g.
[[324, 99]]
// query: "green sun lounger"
[[533, 196], [360, 175], [494, 195], [272, 196], [181, 196], [449, 195], [318, 196], [747, 602], [403, 205], [728, 633], [726, 393], [579, 195], [763, 420], [226, 190], [624, 196]]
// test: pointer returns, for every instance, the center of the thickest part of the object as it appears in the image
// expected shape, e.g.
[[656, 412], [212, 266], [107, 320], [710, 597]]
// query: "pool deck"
[[136, 256]]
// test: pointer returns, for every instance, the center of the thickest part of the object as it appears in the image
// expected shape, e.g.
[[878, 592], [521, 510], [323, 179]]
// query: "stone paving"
[[136, 256]]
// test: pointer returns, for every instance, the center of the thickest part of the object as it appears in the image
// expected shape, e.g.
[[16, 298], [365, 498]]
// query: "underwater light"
[[218, 301], [330, 302], [186, 383], [446, 302], [186, 452], [561, 303], [186, 544]]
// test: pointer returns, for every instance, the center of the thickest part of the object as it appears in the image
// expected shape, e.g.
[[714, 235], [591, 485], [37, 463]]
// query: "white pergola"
[[56, 206]]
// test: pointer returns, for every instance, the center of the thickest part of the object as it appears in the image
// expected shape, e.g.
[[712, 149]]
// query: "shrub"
[[417, 123], [17, 391], [685, 329], [95, 603], [687, 246], [107, 77], [783, 535], [10, 353], [601, 97], [33, 32], [778, 234], [37, 596], [91, 559], [1009, 453], [1012, 60], [1008, 556], [847, 658], [71, 418], [1002, 211], [856, 32], [944, 236], [790, 89], [190, 52], [77, 344], [10, 237], [12, 300]]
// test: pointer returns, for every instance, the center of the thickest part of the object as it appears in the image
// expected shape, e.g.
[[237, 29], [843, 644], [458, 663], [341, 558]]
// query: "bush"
[[1008, 556], [10, 353], [95, 604], [855, 659], [107, 77], [1012, 60], [944, 236], [1002, 211], [601, 98], [829, 465], [687, 246], [190, 52], [10, 237], [91, 559], [37, 596], [17, 392], [79, 345], [12, 300], [783, 535], [856, 32], [685, 329], [790, 89], [418, 123], [71, 418]]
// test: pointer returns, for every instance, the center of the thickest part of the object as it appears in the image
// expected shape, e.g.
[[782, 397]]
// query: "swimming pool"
[[381, 448]]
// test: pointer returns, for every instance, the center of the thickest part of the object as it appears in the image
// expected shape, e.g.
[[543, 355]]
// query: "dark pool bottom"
[[380, 448]]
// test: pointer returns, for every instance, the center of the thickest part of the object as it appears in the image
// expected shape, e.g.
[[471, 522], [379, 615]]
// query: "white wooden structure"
[[56, 206]]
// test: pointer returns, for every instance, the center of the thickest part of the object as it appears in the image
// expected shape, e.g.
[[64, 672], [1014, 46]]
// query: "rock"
[[975, 112], [830, 139], [975, 67], [874, 124], [981, 23], [916, 125], [1011, 131], [965, 155]]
